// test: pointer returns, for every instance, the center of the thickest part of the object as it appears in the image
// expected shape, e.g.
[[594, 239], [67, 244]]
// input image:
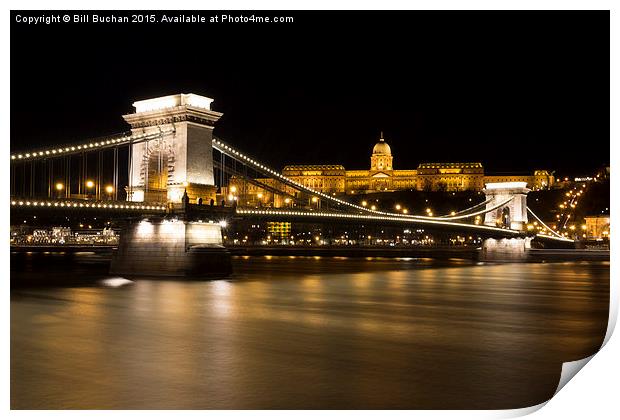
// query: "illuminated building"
[[540, 180], [279, 230], [324, 178], [381, 176], [450, 177], [597, 227]]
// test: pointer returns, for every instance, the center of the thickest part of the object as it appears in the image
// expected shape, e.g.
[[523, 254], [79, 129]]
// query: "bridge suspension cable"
[[104, 143], [543, 223], [472, 208], [465, 216]]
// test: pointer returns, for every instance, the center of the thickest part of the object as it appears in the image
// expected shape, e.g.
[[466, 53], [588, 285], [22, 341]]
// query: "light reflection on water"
[[308, 333]]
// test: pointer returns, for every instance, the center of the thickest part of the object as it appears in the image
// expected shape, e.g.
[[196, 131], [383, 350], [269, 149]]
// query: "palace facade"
[[435, 176], [381, 176]]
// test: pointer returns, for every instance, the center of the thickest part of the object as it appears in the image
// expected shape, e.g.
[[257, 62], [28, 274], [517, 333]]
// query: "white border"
[[592, 394]]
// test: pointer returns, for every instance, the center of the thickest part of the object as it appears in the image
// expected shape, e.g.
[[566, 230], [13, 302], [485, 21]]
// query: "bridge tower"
[[164, 169], [181, 159], [513, 214]]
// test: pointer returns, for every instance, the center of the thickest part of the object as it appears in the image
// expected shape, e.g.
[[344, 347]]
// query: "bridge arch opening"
[[503, 218], [155, 173]]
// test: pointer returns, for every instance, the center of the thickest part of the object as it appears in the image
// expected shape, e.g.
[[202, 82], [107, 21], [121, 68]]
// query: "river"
[[301, 333]]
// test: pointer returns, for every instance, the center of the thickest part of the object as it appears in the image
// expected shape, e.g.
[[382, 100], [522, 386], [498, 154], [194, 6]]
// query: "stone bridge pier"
[[511, 215], [171, 247]]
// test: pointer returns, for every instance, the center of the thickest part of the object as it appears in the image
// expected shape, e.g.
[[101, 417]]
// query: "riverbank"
[[439, 253]]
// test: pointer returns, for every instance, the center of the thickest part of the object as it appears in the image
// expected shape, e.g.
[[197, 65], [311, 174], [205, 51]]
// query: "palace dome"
[[381, 148]]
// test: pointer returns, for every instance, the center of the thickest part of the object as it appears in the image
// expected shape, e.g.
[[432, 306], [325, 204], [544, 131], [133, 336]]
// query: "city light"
[[109, 189], [90, 184], [121, 205], [364, 203], [315, 199], [233, 189], [259, 195], [397, 207], [60, 186]]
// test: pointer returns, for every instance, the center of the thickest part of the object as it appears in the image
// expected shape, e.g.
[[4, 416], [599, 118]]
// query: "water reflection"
[[306, 333]]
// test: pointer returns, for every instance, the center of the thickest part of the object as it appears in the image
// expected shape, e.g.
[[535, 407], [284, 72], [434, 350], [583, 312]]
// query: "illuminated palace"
[[382, 176]]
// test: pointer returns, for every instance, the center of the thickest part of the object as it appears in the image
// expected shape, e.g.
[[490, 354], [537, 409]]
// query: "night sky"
[[514, 90]]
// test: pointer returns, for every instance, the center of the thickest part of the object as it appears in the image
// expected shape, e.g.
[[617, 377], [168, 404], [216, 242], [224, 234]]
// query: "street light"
[[398, 207], [109, 189], [59, 187], [89, 186], [364, 203]]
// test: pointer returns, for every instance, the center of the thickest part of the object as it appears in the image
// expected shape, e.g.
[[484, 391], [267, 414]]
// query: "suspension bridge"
[[172, 181]]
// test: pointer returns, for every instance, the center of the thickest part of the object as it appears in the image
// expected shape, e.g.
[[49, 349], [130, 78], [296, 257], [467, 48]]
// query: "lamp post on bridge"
[[59, 188], [109, 191], [89, 187]]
